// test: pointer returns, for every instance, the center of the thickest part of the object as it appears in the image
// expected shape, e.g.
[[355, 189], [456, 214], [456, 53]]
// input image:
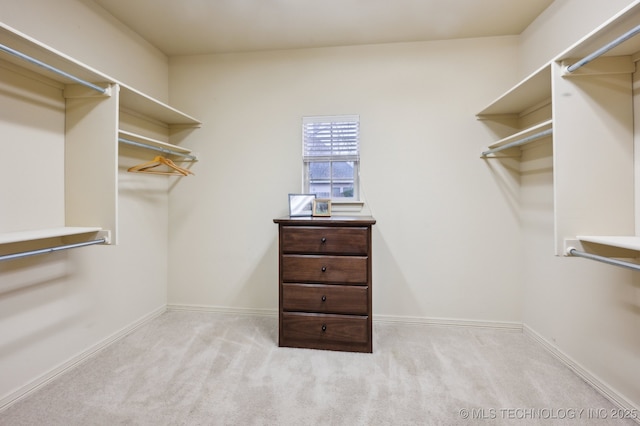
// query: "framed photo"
[[301, 204], [322, 207]]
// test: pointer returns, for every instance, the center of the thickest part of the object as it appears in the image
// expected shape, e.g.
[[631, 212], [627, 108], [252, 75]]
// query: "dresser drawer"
[[324, 240], [325, 269], [324, 328], [335, 299]]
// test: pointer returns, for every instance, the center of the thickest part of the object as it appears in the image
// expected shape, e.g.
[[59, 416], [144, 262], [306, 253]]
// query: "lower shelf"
[[40, 234], [15, 245]]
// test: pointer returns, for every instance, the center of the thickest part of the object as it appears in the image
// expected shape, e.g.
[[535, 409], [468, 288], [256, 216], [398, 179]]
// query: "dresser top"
[[327, 221]]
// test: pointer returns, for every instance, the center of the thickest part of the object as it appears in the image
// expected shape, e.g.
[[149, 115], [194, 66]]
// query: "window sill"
[[346, 206]]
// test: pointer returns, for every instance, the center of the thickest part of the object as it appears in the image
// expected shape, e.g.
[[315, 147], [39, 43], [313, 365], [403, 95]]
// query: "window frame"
[[355, 158]]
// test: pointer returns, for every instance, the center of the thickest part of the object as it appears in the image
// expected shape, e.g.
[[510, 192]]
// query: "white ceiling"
[[184, 27]]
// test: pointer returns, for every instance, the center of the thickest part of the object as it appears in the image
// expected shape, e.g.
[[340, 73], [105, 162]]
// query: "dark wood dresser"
[[325, 283]]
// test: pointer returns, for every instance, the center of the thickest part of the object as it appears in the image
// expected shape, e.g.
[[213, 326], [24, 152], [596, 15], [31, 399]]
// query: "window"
[[331, 155]]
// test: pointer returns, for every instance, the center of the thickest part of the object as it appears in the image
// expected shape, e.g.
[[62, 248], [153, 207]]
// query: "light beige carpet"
[[195, 368]]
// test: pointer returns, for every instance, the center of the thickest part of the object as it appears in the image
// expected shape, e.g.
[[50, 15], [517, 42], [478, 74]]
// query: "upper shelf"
[[532, 91], [625, 242], [615, 27], [130, 98], [41, 52], [134, 100]]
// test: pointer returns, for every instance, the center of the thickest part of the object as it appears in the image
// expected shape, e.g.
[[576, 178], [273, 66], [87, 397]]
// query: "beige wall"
[[56, 307], [447, 241], [589, 311]]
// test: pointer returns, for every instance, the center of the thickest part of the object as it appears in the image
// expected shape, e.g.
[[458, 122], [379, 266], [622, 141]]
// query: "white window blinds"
[[331, 138], [331, 156]]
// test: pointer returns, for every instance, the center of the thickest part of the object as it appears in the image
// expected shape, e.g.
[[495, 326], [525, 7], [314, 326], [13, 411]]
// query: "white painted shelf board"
[[33, 48], [130, 98], [545, 125], [624, 21], [134, 100], [39, 234], [534, 90], [626, 242], [153, 142]]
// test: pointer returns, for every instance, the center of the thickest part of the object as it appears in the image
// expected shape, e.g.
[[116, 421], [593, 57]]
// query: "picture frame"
[[322, 207], [301, 204]]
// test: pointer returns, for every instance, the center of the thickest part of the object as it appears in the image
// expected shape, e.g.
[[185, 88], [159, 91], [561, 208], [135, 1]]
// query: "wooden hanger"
[[160, 161]]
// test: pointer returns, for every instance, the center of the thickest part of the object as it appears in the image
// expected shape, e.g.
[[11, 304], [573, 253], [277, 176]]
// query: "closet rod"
[[51, 249], [52, 69], [573, 252], [157, 148], [519, 142], [604, 49]]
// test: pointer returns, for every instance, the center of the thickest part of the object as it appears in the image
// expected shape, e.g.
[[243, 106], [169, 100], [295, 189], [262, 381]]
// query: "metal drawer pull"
[[323, 240], [324, 269], [324, 298], [324, 327]]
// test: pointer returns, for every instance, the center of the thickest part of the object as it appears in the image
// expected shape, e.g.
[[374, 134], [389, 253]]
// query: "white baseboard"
[[594, 381], [223, 310], [76, 360], [449, 322], [391, 319]]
